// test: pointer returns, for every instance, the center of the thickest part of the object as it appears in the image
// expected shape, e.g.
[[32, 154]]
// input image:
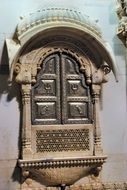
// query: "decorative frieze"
[[48, 163]]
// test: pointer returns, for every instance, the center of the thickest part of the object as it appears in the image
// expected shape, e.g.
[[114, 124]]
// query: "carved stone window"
[[61, 63]]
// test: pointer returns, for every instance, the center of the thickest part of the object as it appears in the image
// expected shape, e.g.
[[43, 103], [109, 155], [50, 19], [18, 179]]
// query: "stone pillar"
[[97, 130], [23, 77], [26, 127]]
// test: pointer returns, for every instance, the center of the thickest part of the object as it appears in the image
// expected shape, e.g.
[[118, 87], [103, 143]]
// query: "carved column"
[[99, 76], [97, 131], [23, 77], [26, 131]]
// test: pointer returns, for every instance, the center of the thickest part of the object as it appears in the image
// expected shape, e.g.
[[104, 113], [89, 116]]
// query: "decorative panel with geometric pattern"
[[62, 140]]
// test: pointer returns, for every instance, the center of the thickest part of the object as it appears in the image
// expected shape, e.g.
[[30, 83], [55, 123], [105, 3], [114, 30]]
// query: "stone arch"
[[59, 20], [84, 61]]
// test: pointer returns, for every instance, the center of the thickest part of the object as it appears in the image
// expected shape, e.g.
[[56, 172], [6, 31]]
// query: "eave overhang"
[[38, 23]]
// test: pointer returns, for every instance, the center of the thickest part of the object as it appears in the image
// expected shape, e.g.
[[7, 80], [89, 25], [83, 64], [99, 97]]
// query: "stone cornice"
[[66, 162]]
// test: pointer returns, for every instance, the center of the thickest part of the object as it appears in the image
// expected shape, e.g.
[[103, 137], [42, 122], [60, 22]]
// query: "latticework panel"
[[62, 140]]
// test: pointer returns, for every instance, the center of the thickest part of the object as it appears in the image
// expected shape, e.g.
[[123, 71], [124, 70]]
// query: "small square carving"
[[46, 88], [75, 88], [45, 110], [78, 110]]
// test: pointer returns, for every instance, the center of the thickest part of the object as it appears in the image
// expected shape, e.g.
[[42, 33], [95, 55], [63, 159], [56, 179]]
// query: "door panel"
[[60, 95], [46, 93], [71, 68], [75, 93], [50, 66]]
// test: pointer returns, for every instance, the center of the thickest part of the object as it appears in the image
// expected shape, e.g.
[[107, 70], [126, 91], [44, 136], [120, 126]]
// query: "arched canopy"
[[55, 21]]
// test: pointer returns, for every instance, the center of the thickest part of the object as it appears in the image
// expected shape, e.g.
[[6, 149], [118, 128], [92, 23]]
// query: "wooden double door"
[[60, 95]]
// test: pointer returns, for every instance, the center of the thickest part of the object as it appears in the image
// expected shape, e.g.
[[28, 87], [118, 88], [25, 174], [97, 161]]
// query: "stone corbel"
[[99, 75], [25, 73], [95, 75]]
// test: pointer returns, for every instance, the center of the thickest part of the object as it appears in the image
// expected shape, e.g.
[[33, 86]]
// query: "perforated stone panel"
[[62, 140]]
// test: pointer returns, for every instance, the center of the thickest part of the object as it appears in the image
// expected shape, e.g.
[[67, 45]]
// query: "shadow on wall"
[[12, 91], [120, 50], [4, 71]]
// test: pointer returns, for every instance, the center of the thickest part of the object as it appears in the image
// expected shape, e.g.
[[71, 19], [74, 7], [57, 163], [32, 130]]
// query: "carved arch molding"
[[61, 62]]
